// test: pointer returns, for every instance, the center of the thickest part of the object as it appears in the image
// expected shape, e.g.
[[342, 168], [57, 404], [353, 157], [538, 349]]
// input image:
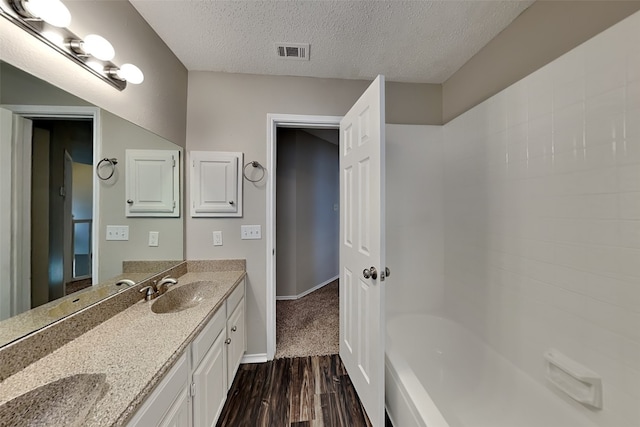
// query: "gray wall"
[[228, 112], [158, 104], [540, 34], [307, 227], [119, 135]]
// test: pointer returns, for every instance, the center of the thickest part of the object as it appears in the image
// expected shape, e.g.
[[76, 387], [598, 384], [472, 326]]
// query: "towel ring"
[[255, 164], [113, 162]]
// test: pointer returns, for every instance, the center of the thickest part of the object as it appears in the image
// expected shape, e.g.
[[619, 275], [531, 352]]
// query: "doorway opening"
[[62, 207], [50, 249], [307, 241], [294, 125]]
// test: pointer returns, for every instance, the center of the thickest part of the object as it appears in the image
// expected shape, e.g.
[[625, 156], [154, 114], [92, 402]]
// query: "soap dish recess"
[[579, 382]]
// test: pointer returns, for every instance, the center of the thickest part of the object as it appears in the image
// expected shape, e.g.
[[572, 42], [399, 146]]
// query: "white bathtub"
[[438, 374]]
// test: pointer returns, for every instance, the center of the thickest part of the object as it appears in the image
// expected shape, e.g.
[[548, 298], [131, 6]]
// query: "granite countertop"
[[134, 349]]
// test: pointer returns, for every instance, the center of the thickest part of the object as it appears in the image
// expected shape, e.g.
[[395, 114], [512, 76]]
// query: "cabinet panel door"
[[153, 183], [154, 411], [210, 385], [178, 414], [216, 184], [237, 340]]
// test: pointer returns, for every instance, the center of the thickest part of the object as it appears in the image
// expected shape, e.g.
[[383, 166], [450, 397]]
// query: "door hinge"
[[192, 390], [174, 161], [63, 192], [174, 204]]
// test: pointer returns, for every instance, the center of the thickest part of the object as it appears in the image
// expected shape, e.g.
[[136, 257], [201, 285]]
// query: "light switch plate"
[[251, 232], [117, 232], [217, 238], [154, 237]]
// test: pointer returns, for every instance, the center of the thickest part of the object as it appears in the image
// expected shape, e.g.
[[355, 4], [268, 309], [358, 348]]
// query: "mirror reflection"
[[58, 249]]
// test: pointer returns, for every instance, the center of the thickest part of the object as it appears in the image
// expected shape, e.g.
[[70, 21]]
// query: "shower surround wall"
[[542, 218]]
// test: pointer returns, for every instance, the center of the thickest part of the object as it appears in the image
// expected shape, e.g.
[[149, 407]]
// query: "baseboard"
[[254, 358], [307, 292]]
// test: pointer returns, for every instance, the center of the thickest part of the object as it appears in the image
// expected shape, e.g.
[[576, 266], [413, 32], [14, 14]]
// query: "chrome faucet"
[[157, 288], [164, 283]]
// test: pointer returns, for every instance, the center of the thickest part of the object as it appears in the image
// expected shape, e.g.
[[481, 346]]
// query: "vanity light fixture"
[[53, 12], [47, 20]]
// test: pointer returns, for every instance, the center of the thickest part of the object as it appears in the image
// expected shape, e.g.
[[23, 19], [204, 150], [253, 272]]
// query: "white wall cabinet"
[[194, 391], [152, 183], [215, 183]]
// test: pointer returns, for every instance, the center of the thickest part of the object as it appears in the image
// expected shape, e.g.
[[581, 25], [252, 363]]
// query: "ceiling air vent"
[[297, 51]]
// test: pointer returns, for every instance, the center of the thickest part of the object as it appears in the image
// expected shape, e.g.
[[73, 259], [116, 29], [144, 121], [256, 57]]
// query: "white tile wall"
[[542, 218]]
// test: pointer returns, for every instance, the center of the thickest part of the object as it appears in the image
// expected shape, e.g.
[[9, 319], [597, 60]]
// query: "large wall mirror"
[[55, 209]]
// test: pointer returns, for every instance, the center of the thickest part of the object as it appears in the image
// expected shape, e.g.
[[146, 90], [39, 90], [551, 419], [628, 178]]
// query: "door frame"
[[274, 121], [74, 112]]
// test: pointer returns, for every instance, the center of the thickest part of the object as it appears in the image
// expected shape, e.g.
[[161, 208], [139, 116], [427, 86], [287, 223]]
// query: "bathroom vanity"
[[195, 390], [162, 364]]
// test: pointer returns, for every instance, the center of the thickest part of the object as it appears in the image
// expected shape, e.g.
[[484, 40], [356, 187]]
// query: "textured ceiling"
[[407, 41]]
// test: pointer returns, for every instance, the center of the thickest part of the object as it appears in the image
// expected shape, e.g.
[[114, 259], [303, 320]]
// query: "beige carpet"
[[309, 326]]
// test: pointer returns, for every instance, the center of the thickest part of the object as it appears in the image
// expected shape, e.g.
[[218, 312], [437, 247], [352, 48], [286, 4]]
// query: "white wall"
[[414, 218], [158, 104], [542, 218]]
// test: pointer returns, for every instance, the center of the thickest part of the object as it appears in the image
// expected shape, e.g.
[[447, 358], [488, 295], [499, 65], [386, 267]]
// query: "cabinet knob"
[[235, 328], [231, 202], [130, 201], [227, 341]]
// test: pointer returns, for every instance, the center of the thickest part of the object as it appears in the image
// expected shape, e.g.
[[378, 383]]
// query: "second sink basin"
[[65, 402], [182, 298]]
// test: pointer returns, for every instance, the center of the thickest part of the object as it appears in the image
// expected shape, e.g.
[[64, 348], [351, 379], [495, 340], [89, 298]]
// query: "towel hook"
[[112, 162], [255, 164]]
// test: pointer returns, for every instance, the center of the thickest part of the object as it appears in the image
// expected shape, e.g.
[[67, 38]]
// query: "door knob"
[[370, 273]]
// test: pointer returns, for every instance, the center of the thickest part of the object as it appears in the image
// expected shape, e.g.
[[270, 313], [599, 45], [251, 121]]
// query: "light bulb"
[[131, 74], [52, 12], [98, 47]]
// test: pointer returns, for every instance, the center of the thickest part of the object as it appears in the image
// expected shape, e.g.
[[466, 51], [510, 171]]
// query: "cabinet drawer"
[[203, 342], [235, 297]]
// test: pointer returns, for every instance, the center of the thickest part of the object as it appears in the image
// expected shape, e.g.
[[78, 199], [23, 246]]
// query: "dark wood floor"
[[301, 392]]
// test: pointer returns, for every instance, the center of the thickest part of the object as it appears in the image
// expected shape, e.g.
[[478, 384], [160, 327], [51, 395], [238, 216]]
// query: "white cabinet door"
[[216, 184], [236, 341], [165, 403], [210, 385], [153, 183], [178, 414]]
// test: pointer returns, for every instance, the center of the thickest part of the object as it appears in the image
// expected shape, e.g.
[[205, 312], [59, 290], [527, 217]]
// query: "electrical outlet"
[[251, 232], [154, 237], [217, 238], [117, 232]]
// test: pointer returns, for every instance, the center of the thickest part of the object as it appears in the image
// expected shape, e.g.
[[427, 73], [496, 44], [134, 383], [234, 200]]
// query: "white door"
[[362, 258], [67, 225]]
